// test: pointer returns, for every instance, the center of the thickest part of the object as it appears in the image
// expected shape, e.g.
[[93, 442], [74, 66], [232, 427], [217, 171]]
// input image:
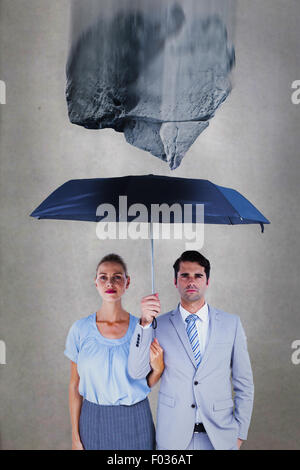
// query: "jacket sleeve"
[[139, 352], [242, 381]]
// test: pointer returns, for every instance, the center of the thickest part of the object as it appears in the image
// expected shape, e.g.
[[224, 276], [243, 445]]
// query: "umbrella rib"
[[242, 218], [229, 203]]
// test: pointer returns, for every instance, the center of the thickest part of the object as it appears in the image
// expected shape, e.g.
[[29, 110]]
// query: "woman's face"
[[111, 281]]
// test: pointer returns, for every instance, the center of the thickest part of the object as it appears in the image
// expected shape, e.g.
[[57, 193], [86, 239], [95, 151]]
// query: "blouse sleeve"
[[72, 343]]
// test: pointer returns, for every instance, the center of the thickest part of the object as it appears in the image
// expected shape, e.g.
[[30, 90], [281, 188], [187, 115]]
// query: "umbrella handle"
[[154, 321]]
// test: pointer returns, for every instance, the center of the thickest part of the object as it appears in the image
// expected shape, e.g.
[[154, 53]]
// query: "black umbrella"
[[80, 199]]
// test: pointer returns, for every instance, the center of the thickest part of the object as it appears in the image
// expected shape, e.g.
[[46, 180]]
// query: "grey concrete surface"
[[47, 267]]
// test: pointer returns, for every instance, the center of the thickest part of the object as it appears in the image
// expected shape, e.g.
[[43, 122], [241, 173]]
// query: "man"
[[205, 355]]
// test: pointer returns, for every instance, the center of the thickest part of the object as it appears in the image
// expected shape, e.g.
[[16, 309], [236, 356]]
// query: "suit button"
[[193, 405], [196, 383]]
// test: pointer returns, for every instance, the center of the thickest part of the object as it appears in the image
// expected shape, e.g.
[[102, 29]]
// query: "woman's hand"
[[157, 357], [75, 402], [239, 443], [76, 444], [156, 362]]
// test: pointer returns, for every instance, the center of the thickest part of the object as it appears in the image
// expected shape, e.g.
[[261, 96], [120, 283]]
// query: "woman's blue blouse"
[[102, 364]]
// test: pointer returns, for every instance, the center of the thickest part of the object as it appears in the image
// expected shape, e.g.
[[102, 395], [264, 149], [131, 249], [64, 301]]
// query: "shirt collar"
[[202, 313]]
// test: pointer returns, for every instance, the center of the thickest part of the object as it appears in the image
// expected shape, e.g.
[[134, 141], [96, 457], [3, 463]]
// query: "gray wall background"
[[47, 267]]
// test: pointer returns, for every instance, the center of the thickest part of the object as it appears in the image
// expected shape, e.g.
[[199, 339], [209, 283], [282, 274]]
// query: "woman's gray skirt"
[[117, 427]]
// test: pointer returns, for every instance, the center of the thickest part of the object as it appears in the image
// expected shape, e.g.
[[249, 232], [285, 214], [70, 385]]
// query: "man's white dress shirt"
[[202, 329]]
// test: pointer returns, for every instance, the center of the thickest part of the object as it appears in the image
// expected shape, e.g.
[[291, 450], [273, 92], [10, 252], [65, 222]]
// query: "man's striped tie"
[[191, 330]]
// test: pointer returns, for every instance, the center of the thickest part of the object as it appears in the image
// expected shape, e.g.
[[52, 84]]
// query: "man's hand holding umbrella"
[[150, 309]]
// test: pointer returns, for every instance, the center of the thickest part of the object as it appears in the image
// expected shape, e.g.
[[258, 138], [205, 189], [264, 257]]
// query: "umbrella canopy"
[[79, 199]]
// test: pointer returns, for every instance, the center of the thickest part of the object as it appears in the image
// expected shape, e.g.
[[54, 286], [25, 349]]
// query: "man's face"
[[191, 281]]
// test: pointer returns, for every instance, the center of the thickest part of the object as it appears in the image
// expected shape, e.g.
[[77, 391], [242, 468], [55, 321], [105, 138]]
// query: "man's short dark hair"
[[194, 257]]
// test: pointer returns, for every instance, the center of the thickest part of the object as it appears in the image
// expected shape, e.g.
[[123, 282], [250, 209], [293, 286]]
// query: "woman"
[[109, 409]]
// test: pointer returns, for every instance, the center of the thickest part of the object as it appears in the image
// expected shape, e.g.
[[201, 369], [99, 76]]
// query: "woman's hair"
[[113, 258]]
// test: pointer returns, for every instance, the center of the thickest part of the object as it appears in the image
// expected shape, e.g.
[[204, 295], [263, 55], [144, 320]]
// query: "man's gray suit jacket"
[[225, 368]]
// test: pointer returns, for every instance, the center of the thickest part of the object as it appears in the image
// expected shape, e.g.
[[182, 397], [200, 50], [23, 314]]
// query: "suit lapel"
[[213, 328], [176, 320]]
